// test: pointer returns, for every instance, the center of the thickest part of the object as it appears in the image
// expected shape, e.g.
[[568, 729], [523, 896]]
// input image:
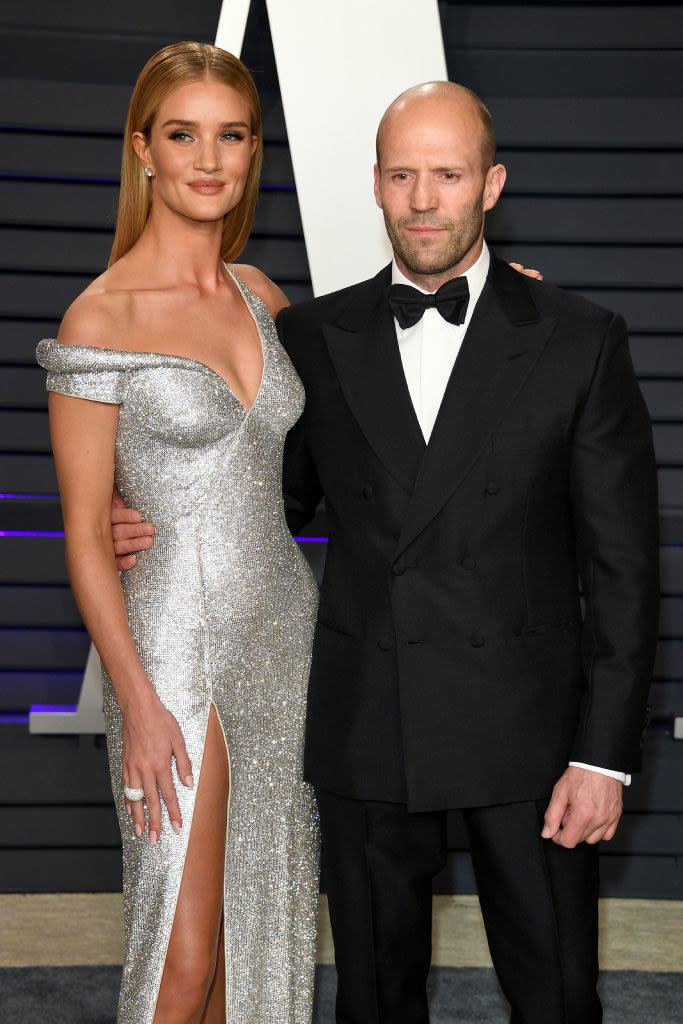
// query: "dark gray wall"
[[587, 99]]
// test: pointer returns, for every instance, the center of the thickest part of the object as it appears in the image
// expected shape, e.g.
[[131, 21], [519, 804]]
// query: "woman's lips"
[[206, 187]]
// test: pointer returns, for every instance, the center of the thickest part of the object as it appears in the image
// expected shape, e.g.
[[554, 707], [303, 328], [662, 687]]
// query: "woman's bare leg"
[[194, 960], [214, 1011]]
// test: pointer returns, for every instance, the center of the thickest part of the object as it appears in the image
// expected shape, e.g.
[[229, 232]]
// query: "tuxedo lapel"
[[363, 347], [504, 339]]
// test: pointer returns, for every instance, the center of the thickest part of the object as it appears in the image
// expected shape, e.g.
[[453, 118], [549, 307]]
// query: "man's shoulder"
[[550, 300]]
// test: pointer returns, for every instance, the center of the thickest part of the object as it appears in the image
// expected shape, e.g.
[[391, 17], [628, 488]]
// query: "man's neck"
[[432, 282]]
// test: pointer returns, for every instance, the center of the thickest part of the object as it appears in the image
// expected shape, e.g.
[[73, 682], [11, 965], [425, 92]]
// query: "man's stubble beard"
[[462, 235]]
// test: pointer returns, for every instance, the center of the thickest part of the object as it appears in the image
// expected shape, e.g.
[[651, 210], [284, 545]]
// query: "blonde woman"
[[167, 381]]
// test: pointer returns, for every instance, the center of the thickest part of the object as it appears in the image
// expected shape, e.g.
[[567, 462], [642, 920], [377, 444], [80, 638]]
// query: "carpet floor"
[[466, 995]]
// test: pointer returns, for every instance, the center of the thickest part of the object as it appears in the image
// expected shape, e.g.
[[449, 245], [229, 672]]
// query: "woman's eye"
[[183, 136]]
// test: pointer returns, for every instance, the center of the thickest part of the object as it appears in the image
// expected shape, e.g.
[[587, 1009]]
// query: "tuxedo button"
[[468, 563], [368, 492], [399, 569], [492, 487], [384, 643], [477, 640]]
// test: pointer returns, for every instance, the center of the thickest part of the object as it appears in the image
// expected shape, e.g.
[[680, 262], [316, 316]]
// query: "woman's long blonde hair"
[[170, 67]]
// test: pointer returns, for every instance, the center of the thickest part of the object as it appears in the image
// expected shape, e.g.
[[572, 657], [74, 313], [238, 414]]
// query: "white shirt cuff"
[[619, 776]]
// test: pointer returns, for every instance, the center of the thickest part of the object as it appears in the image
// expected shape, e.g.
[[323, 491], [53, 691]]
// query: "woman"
[[168, 382]]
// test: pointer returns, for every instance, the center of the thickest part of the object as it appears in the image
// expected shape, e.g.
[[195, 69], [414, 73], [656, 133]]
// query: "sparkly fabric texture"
[[222, 610]]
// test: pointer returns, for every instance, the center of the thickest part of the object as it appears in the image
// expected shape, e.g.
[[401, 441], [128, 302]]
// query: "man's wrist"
[[619, 776]]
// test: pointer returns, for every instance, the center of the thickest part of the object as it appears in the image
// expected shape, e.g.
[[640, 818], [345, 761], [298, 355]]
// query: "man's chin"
[[427, 267], [426, 257]]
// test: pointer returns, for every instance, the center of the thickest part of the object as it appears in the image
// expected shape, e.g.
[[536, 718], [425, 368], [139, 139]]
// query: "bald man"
[[484, 454], [482, 445]]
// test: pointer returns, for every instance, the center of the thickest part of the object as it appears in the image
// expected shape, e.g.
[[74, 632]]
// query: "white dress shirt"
[[428, 352], [429, 348]]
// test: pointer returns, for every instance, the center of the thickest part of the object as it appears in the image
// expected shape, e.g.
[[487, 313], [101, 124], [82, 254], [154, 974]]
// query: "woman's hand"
[[529, 273], [151, 737]]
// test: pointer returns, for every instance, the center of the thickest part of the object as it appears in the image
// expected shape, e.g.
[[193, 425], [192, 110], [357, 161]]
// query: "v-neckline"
[[242, 287]]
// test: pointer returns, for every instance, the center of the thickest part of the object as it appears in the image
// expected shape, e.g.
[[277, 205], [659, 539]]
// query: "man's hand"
[[536, 274], [129, 532], [585, 807]]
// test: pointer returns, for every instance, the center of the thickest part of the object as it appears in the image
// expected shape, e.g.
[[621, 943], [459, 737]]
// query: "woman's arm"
[[83, 435]]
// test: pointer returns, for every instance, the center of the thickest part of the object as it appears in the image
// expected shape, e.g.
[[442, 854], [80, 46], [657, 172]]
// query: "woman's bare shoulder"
[[257, 282], [98, 316]]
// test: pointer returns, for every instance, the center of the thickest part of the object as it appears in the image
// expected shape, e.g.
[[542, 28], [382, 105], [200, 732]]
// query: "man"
[[481, 445]]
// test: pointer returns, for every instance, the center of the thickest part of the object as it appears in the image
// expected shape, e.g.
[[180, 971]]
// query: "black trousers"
[[539, 902]]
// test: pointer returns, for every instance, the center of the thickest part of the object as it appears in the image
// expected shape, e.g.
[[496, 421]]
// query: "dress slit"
[[225, 851], [187, 845]]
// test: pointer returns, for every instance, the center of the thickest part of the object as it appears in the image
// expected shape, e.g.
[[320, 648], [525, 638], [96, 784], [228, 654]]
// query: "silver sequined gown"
[[221, 611]]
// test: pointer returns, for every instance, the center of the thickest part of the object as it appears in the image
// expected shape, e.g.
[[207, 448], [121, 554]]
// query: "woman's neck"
[[182, 251]]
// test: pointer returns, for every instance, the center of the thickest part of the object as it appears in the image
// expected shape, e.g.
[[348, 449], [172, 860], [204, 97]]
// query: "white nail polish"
[[138, 830], [152, 838], [189, 781], [175, 826]]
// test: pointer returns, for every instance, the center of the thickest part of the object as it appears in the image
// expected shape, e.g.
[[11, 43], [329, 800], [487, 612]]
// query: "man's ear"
[[493, 185], [378, 198]]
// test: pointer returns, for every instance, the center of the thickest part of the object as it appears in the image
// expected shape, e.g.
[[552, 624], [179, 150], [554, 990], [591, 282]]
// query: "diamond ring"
[[133, 794]]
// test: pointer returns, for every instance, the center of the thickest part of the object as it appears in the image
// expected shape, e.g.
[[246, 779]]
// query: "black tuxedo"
[[453, 665]]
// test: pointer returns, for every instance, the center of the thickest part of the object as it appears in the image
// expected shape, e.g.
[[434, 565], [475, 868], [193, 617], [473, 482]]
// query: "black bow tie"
[[408, 304]]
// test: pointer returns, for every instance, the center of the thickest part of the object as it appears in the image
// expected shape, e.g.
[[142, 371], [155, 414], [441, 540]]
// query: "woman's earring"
[[148, 172]]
